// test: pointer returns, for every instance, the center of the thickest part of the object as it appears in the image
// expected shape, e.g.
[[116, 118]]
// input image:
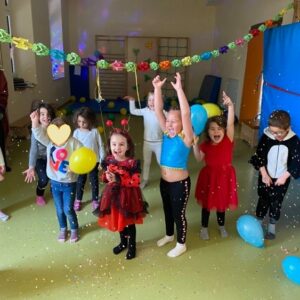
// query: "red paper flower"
[[254, 32], [143, 66], [117, 65]]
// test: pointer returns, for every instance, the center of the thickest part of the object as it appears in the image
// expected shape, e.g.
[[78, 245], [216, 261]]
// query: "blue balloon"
[[198, 118], [250, 230], [291, 268]]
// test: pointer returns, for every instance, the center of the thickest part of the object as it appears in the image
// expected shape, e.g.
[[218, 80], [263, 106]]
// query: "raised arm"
[[37, 130], [132, 108], [230, 116], [184, 110], [158, 101]]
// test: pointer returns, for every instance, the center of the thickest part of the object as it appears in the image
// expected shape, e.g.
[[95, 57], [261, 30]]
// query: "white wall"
[[170, 18], [30, 20], [208, 27], [233, 20]]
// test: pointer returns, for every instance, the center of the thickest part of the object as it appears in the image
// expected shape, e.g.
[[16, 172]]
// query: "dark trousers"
[[2, 142], [205, 217], [270, 199], [94, 181], [40, 168], [175, 196]]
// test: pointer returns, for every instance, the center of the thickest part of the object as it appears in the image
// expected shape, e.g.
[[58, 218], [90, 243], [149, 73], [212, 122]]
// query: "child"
[[37, 154], [63, 182], [277, 159], [85, 120], [121, 205], [152, 134], [3, 216], [216, 187], [175, 181]]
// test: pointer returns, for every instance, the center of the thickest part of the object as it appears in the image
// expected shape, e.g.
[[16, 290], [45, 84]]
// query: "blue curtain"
[[281, 73]]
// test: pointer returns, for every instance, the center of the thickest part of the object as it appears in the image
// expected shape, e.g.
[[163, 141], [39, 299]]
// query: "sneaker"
[[3, 217], [178, 250], [204, 234], [223, 232], [74, 236], [95, 205], [270, 236], [62, 236], [40, 201], [165, 240], [77, 205], [143, 184]]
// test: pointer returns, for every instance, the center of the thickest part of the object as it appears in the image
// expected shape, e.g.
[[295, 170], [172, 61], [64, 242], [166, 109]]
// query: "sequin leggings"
[[175, 196]]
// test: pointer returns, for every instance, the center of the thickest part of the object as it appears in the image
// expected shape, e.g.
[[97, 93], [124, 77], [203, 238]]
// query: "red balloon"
[[124, 122], [109, 123]]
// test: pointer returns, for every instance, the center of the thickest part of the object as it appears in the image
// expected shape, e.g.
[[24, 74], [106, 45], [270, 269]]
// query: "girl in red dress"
[[216, 185], [121, 204]]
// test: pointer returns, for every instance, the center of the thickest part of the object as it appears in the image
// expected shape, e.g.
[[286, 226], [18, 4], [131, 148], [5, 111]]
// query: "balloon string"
[[137, 87], [98, 95]]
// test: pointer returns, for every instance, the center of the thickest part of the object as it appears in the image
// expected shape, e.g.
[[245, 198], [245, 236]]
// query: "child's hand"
[[111, 177], [266, 179], [34, 116], [195, 141], [282, 179], [99, 167], [226, 100], [30, 175], [177, 85], [157, 82], [128, 98], [2, 171]]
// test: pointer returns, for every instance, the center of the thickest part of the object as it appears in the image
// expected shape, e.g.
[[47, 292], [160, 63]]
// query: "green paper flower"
[[215, 53], [248, 37], [73, 58], [262, 27], [130, 66], [40, 49], [154, 66], [102, 64], [196, 58], [231, 45], [4, 36], [176, 63]]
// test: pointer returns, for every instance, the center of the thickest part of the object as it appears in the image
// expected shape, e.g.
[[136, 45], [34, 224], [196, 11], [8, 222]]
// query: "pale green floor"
[[34, 265]]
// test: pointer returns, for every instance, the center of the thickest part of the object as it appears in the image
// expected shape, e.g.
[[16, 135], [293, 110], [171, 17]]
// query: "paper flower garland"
[[74, 59]]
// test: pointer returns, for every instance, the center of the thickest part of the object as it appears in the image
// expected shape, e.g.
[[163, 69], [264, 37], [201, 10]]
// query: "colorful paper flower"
[[117, 65], [248, 37], [262, 28], [40, 49], [206, 56], [215, 53], [196, 58], [130, 66], [269, 23], [186, 61], [143, 66], [165, 65], [254, 32], [176, 63], [21, 43], [102, 64], [4, 36], [154, 66], [231, 45], [73, 58], [239, 42]]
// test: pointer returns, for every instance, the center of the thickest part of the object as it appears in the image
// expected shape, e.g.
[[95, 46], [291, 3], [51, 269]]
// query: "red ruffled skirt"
[[121, 206], [216, 188]]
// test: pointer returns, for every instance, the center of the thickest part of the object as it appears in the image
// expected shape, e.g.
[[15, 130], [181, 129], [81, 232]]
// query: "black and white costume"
[[277, 157]]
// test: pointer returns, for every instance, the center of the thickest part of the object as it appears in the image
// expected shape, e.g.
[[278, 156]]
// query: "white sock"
[[178, 250], [204, 233], [271, 228], [3, 217], [223, 232], [165, 240]]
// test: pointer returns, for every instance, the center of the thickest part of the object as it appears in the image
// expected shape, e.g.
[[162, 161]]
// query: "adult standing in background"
[[4, 125]]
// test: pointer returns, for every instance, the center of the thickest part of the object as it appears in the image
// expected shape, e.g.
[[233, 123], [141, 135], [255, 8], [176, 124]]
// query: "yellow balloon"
[[82, 161], [111, 104], [123, 111], [100, 129], [82, 99], [212, 109]]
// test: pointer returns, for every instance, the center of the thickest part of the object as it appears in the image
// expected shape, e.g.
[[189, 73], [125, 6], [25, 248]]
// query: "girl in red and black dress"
[[216, 187], [121, 204]]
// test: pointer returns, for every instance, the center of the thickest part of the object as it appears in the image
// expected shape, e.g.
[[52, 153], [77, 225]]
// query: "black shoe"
[[118, 249], [270, 236], [96, 212], [131, 252]]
